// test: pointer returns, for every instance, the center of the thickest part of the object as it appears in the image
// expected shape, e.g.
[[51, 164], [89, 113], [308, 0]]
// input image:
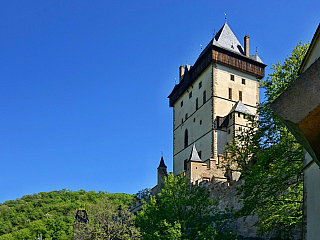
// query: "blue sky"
[[84, 84]]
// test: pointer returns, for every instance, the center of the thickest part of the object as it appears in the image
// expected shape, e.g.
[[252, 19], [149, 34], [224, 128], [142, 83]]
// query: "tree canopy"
[[49, 214], [108, 221], [270, 158], [181, 211]]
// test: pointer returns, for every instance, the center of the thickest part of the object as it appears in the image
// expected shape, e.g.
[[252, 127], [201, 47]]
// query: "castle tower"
[[162, 173], [222, 83]]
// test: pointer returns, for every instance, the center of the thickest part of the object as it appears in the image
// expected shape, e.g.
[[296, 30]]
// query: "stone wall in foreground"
[[226, 193]]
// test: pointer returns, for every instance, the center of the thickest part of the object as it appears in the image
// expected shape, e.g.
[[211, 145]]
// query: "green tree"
[[143, 194], [181, 211], [110, 221], [49, 214], [270, 158]]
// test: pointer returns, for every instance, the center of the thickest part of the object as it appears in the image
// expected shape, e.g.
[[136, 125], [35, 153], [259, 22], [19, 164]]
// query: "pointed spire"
[[162, 164], [194, 156]]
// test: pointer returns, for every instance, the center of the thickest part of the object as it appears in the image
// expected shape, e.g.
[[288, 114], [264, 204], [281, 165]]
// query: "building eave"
[[299, 108], [314, 41], [220, 55]]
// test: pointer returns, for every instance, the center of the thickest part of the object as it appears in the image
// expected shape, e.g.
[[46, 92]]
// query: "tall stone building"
[[210, 102]]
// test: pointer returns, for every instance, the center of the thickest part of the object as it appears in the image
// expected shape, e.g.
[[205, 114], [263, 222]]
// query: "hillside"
[[49, 214]]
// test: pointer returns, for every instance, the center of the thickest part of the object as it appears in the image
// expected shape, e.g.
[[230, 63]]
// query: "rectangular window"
[[185, 164], [204, 97], [181, 103], [186, 116], [230, 93], [240, 95], [197, 104], [243, 81], [232, 77], [190, 95], [200, 84], [239, 114]]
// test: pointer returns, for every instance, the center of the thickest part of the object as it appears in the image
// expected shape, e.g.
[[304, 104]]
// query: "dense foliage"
[[49, 214], [181, 211], [270, 158], [108, 221]]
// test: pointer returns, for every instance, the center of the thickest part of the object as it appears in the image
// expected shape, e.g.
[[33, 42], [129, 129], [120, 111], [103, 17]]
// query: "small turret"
[[162, 173]]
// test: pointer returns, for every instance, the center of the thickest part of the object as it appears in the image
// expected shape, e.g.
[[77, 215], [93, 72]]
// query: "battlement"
[[223, 185]]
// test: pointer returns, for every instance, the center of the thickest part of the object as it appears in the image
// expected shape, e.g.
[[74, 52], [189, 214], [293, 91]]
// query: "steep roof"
[[194, 156], [224, 45], [162, 164], [241, 108], [225, 38]]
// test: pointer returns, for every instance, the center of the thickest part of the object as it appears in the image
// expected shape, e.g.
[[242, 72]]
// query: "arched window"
[[186, 138]]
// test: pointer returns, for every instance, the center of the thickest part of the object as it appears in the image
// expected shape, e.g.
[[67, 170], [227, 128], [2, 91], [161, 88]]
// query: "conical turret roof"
[[162, 164], [194, 156]]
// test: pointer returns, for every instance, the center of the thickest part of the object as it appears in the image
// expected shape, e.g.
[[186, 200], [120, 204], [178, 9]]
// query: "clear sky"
[[84, 84]]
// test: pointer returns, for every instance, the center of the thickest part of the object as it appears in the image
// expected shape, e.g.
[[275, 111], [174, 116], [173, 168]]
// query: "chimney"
[[246, 45], [181, 73]]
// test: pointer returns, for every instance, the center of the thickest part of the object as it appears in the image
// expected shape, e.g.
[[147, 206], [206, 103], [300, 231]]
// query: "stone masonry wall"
[[226, 193]]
